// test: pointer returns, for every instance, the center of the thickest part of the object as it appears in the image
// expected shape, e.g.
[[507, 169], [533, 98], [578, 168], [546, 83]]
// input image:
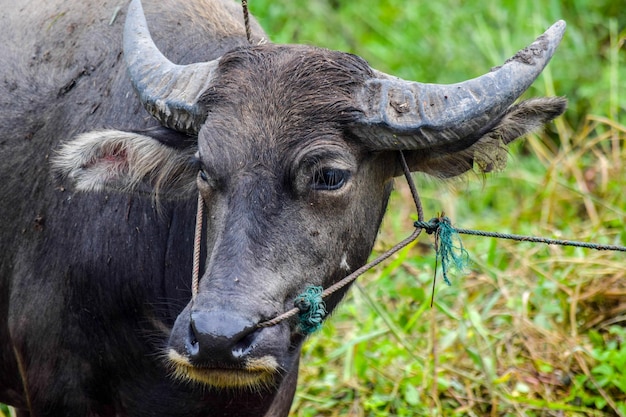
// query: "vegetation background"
[[530, 330]]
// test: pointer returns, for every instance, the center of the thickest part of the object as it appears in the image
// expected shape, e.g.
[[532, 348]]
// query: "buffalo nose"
[[218, 338]]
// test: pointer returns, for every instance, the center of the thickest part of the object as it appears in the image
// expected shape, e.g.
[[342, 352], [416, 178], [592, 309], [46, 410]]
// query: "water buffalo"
[[104, 144]]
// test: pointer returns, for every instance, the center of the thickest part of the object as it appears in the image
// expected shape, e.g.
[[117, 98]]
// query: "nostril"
[[245, 345], [192, 345], [215, 338]]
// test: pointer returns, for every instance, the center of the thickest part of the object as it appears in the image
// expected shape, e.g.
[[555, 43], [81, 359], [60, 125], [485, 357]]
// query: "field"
[[527, 329]]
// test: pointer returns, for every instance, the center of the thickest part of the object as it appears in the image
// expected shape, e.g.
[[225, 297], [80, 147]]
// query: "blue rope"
[[312, 309], [447, 244]]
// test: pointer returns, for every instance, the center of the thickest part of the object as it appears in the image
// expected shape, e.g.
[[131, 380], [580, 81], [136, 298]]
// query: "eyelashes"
[[329, 179]]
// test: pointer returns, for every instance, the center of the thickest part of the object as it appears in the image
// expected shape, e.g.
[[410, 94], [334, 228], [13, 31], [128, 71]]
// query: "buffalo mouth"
[[254, 374]]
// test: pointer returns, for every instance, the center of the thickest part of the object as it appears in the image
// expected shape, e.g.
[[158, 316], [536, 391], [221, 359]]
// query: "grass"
[[449, 41], [530, 330]]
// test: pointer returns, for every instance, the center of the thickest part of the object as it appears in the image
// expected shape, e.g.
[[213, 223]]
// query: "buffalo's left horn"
[[169, 92], [399, 114]]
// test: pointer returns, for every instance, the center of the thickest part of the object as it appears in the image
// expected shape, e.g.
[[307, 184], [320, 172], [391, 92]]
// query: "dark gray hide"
[[297, 148]]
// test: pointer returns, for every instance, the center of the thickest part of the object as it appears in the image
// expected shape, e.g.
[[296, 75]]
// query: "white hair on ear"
[[128, 162]]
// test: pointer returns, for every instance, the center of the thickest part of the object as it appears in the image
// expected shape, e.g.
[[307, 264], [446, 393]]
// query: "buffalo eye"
[[203, 176], [330, 179]]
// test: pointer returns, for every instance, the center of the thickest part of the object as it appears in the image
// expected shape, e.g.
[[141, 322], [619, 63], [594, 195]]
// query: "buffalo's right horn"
[[169, 92], [404, 115]]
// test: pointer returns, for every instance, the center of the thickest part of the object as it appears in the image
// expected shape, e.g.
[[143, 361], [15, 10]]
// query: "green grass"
[[450, 41], [530, 330]]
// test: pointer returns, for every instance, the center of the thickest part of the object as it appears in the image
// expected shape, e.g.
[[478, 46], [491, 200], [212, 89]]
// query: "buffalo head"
[[295, 154]]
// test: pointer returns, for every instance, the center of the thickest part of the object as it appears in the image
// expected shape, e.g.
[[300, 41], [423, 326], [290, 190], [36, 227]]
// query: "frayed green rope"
[[312, 309], [448, 245]]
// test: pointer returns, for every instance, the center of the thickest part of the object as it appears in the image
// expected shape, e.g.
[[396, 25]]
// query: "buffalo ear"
[[150, 162], [489, 152]]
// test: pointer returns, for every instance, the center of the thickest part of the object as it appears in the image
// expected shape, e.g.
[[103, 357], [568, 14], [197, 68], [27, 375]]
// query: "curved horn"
[[169, 92], [399, 114]]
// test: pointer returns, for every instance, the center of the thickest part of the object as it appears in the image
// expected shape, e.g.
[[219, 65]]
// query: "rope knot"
[[312, 309], [447, 244], [432, 225]]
